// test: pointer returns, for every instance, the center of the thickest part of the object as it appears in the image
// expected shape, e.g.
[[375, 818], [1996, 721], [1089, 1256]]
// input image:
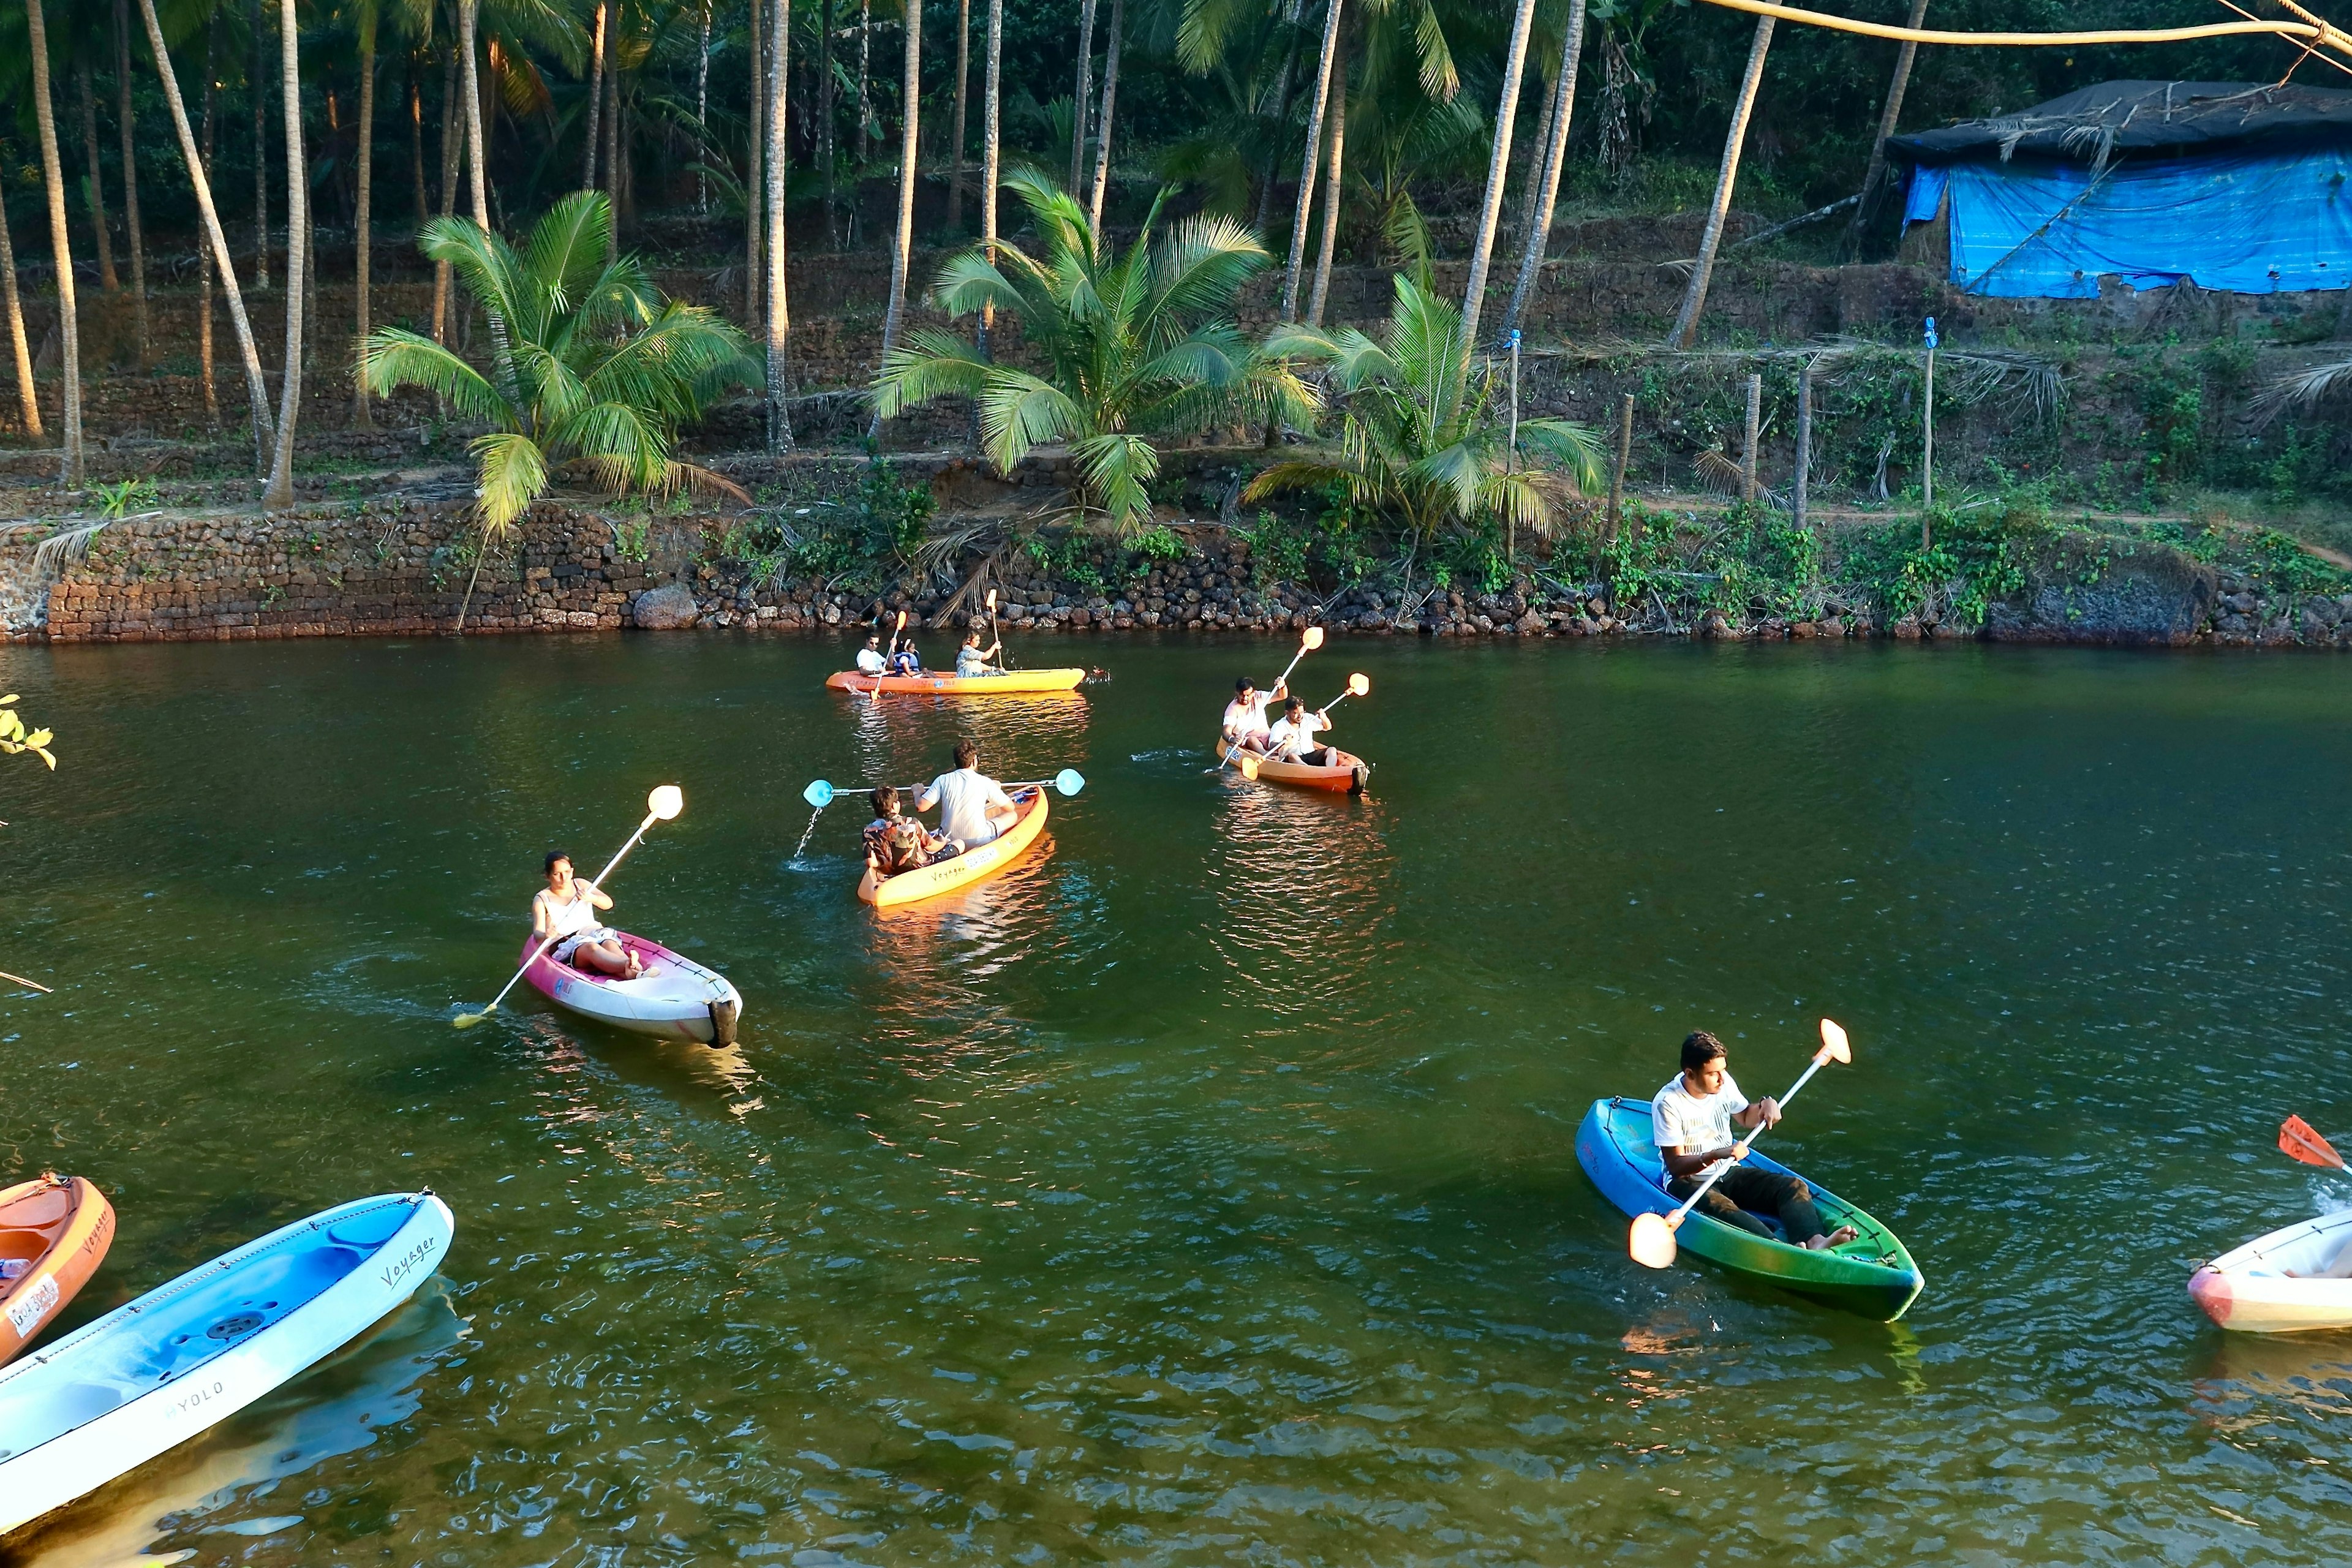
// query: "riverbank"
[[398, 554]]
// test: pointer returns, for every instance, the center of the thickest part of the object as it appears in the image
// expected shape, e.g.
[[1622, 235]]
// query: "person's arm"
[[598, 898], [999, 803], [1764, 1112], [543, 916], [928, 796], [1682, 1161]]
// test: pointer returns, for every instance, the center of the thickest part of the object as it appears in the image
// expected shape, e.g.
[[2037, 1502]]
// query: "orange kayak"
[[1012, 683], [960, 870], [1349, 773], [53, 1233]]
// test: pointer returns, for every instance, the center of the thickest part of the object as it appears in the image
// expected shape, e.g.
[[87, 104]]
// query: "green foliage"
[[633, 540], [866, 543], [1159, 544], [126, 496], [1065, 557]]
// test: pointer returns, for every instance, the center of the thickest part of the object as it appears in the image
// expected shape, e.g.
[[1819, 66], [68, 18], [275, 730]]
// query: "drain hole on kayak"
[[234, 1327]]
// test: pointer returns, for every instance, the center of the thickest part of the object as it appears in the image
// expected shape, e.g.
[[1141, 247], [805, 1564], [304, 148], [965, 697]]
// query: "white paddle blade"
[[1652, 1241], [1358, 685], [1834, 1042], [666, 801], [1313, 639]]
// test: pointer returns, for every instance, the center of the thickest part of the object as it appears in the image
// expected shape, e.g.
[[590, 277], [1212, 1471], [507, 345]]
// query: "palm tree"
[[1103, 120], [1314, 152], [279, 493], [1891, 115], [902, 253], [60, 247], [1421, 445], [605, 368], [1685, 328], [1131, 346], [363, 223], [128, 124], [1490, 212], [30, 404], [1555, 156], [780, 315]]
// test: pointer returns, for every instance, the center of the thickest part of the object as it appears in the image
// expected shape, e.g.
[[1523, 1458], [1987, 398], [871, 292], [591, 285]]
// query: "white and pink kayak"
[[675, 999], [2266, 1286]]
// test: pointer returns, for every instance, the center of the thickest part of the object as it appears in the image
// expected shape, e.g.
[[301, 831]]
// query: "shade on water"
[[1204, 1191]]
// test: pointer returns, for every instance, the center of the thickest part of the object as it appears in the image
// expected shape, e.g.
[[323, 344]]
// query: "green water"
[[1204, 1191]]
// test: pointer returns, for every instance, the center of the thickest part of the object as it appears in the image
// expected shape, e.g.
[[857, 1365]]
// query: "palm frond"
[[2303, 389], [510, 472], [394, 357]]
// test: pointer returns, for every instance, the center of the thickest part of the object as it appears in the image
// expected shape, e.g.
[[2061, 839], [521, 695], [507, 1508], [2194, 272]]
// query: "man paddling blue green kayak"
[[1692, 1117]]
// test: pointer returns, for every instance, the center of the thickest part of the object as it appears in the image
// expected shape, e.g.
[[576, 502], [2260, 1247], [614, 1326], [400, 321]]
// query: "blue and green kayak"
[[1871, 1275]]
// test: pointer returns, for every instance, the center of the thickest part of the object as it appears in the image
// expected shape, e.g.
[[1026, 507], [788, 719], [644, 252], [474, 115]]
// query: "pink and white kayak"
[[675, 998], [2267, 1287]]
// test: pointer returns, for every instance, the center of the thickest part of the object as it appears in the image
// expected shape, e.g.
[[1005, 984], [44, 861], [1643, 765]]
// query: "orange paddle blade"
[[1249, 764], [2298, 1142]]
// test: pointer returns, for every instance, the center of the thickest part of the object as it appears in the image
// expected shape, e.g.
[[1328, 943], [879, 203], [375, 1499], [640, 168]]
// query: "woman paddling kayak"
[[566, 909]]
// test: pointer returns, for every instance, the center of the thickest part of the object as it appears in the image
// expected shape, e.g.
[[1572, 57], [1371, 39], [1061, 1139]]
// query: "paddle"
[[2298, 1142], [1308, 644], [664, 803], [1652, 1239], [996, 633], [820, 794], [1358, 685]]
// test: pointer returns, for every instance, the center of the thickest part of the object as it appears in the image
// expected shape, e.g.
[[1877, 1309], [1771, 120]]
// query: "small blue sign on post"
[[1931, 332]]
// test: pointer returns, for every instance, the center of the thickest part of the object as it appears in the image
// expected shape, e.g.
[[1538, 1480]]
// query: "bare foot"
[[1837, 1237]]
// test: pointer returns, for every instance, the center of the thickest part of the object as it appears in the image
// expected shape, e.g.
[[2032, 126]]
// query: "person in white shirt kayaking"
[[566, 909], [1691, 1121], [973, 807], [1292, 739], [973, 660], [1244, 724], [870, 658]]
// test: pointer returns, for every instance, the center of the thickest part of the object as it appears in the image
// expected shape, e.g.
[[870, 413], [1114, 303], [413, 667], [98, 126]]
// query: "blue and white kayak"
[[147, 1376]]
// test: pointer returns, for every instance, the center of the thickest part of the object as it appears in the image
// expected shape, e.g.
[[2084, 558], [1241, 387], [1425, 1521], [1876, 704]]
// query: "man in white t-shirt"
[[870, 658], [973, 807], [1691, 1121], [1293, 736], [1244, 724]]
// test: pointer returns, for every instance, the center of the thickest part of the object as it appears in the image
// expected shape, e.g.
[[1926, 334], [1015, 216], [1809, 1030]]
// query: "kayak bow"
[[960, 870]]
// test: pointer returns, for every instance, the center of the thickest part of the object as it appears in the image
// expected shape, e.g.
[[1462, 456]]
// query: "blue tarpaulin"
[[2254, 221]]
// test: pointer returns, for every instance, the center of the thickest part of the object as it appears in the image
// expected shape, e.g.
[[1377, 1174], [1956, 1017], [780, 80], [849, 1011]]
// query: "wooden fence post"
[[1799, 486], [1928, 446]]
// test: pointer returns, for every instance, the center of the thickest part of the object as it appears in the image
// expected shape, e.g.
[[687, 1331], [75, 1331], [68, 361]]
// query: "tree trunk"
[[52, 174], [780, 315], [1685, 331], [214, 238], [598, 50], [204, 264], [702, 117], [1086, 89], [1331, 182], [108, 278], [1850, 245], [25, 395], [478, 178], [963, 90], [1490, 211], [258, 74], [865, 102], [1307, 169], [1800, 486], [1281, 117], [452, 146], [280, 494], [364, 221], [616, 174], [990, 152], [1538, 238], [754, 150], [128, 124], [416, 141], [827, 110], [1103, 125], [902, 254]]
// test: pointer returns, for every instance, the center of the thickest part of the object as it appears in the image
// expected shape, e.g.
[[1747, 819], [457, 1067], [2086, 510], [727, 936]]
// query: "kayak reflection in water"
[[971, 659], [1244, 724], [566, 909], [1691, 1121], [973, 807]]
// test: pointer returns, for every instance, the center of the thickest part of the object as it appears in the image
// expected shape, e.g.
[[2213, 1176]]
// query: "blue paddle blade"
[[1069, 781], [818, 795]]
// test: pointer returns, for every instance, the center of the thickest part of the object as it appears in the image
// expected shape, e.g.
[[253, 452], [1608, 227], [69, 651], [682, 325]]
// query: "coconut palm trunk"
[[205, 365], [754, 148], [108, 278], [1307, 169], [780, 315], [902, 253], [53, 175], [216, 240], [1685, 331], [597, 50], [991, 175], [451, 148], [702, 116], [416, 141], [1888, 117], [1281, 116], [30, 404], [1109, 102], [256, 17], [280, 496], [363, 223], [617, 174], [128, 124], [963, 91], [1331, 181], [1555, 158], [827, 111], [1086, 90], [478, 176], [1498, 164]]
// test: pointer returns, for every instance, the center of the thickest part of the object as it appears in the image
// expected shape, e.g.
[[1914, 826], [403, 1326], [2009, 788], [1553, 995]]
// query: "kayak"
[[1872, 1275], [960, 870], [1009, 683], [53, 1233], [2255, 1289], [1349, 773], [675, 999], [147, 1376]]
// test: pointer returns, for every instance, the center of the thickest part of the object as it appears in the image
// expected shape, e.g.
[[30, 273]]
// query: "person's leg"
[[1787, 1197], [1717, 1206], [604, 957]]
